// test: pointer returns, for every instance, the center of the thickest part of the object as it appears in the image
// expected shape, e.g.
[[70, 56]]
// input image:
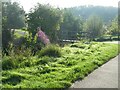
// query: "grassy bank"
[[75, 62]]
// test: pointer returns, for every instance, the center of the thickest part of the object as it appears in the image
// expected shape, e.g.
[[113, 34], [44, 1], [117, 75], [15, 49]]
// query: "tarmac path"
[[105, 76]]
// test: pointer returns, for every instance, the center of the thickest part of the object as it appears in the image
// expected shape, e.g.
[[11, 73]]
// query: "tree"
[[70, 26], [107, 13], [47, 17], [94, 27], [113, 29], [12, 18]]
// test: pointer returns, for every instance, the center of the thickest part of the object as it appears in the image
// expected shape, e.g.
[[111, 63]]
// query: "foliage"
[[70, 26], [107, 13], [94, 27], [34, 44], [47, 17], [18, 61], [13, 79], [113, 28], [8, 63], [20, 33], [6, 38], [45, 60], [12, 18], [43, 37], [50, 50], [52, 66], [26, 42], [49, 72]]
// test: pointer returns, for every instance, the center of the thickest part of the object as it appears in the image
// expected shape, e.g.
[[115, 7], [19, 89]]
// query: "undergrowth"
[[55, 67]]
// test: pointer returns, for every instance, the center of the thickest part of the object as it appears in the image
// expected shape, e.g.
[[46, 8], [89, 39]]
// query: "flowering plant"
[[43, 37]]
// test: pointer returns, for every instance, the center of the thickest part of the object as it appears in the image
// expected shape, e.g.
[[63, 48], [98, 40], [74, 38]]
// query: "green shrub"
[[51, 51], [22, 50], [9, 63], [16, 61]]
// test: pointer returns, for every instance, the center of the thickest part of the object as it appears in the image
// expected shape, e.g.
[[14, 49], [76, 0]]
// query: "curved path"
[[105, 76]]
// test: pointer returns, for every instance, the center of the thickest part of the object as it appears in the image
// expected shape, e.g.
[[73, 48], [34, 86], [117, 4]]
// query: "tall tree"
[[70, 26], [94, 27], [107, 13], [12, 18], [47, 17], [113, 29]]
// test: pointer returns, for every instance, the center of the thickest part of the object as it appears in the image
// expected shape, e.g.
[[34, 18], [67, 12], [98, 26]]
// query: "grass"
[[20, 33], [51, 51], [76, 61]]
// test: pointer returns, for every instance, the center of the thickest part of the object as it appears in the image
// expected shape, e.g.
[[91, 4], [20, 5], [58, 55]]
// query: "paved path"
[[105, 76], [115, 42]]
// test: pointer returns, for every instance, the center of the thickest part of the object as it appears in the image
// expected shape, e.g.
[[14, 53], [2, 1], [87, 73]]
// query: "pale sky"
[[27, 4]]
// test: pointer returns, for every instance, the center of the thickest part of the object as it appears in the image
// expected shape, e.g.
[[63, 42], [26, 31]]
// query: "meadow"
[[34, 50], [54, 66]]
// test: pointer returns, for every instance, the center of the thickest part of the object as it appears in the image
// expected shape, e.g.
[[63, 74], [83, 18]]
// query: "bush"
[[8, 63], [23, 51], [16, 61], [50, 50]]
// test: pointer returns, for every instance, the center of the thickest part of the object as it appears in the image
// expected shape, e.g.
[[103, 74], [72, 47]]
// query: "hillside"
[[106, 13]]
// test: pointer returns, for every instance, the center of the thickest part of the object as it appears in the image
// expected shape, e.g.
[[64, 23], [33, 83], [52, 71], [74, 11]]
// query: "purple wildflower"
[[43, 37]]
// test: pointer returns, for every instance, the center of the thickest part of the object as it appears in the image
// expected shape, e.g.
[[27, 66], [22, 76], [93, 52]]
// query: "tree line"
[[106, 13], [57, 23]]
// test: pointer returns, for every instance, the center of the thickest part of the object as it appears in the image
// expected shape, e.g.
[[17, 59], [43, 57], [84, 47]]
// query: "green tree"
[[12, 18], [113, 29], [94, 27], [70, 26], [107, 13], [47, 17]]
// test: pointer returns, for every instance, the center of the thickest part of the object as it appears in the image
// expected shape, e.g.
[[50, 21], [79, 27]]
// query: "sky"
[[27, 4]]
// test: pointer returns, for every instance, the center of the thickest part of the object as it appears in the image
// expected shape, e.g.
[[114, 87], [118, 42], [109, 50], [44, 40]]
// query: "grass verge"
[[76, 62]]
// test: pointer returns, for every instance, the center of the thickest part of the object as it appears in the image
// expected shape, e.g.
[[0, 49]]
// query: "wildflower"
[[43, 37]]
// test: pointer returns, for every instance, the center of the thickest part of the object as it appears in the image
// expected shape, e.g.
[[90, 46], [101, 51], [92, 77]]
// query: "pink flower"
[[43, 37]]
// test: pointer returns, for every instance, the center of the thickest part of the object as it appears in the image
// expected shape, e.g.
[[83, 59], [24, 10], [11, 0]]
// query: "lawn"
[[75, 62], [20, 33]]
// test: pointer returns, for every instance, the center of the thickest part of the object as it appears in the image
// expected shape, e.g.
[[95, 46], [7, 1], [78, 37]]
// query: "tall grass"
[[51, 51], [57, 70]]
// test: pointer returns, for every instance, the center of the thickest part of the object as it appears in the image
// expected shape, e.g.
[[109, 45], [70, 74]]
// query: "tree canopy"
[[70, 26], [106, 13], [47, 17], [113, 28], [12, 18], [94, 27]]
